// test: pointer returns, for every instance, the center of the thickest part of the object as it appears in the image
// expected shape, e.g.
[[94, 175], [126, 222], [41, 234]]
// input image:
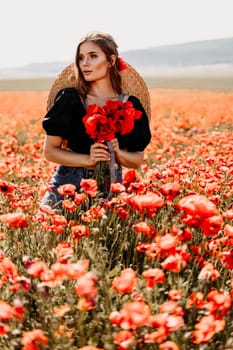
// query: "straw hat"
[[132, 84]]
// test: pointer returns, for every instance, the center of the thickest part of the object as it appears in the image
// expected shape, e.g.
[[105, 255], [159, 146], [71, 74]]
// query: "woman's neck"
[[100, 93], [101, 89], [99, 100]]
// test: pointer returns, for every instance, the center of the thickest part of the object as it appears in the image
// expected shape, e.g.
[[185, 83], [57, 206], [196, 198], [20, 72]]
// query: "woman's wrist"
[[129, 159], [89, 163], [120, 156]]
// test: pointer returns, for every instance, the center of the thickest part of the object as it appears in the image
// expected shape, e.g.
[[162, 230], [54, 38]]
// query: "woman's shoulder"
[[136, 102], [133, 99], [67, 93]]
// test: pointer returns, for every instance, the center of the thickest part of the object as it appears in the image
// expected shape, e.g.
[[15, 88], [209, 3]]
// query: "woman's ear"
[[113, 60]]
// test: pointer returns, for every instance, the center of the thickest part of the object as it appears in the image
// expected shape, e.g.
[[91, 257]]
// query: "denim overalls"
[[72, 175]]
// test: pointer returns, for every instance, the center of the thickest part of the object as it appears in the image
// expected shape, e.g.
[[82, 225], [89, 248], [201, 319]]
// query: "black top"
[[65, 119]]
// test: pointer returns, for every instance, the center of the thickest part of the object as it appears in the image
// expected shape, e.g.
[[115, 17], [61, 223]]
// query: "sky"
[[49, 30]]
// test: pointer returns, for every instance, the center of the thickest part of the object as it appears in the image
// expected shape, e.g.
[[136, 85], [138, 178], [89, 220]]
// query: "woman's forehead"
[[89, 46]]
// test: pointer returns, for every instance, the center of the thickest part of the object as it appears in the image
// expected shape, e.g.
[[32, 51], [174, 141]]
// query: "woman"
[[67, 142]]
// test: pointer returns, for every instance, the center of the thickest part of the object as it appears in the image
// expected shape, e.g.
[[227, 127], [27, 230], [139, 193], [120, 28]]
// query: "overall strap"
[[123, 97]]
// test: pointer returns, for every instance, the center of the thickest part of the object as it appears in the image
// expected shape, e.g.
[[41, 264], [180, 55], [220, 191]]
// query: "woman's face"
[[93, 62]]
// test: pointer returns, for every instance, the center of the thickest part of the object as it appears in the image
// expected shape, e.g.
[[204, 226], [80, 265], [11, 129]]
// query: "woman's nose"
[[85, 60]]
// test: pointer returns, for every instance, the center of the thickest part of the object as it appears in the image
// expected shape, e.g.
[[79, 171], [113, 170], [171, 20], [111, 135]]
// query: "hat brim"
[[132, 84]]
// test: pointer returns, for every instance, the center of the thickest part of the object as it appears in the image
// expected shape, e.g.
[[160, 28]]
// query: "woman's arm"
[[55, 152], [125, 158]]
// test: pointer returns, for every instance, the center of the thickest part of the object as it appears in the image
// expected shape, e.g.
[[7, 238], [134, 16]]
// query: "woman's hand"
[[125, 158], [115, 145], [99, 153]]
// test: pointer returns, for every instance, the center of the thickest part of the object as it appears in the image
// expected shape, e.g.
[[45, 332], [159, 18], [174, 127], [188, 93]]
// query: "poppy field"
[[150, 267]]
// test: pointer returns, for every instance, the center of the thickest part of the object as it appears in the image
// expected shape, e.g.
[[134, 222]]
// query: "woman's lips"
[[85, 72]]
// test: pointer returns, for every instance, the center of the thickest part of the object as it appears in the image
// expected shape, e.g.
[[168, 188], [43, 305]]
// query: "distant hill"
[[219, 51], [209, 56]]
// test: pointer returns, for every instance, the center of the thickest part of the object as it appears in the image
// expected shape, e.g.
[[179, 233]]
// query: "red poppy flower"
[[153, 276], [174, 263], [145, 228], [30, 338], [170, 190], [197, 206], [227, 259], [171, 307], [124, 339], [93, 214], [228, 214], [133, 315], [157, 320], [86, 285], [152, 250], [131, 175], [167, 244], [122, 213], [69, 205], [63, 251], [157, 336], [8, 268], [149, 201], [4, 329], [208, 272], [137, 296], [182, 234], [98, 126], [212, 225], [61, 310], [6, 187], [66, 190], [15, 219], [59, 220], [175, 294], [59, 229], [219, 302], [126, 282], [117, 187], [19, 310], [121, 65], [196, 299], [118, 205], [37, 268], [20, 282], [6, 311], [69, 271], [80, 231], [174, 322], [86, 303], [206, 329], [89, 186], [137, 187], [168, 345], [44, 208], [228, 230], [80, 198], [143, 247]]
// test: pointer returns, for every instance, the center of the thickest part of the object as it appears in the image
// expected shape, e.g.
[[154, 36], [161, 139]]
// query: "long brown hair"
[[109, 47]]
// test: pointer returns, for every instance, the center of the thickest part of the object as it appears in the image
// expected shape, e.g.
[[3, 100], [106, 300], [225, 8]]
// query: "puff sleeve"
[[57, 122], [140, 136]]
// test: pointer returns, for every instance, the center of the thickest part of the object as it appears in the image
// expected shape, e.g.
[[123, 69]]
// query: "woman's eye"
[[93, 55], [80, 58]]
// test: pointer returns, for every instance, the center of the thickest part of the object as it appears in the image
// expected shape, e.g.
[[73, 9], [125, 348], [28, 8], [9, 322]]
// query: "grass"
[[206, 83]]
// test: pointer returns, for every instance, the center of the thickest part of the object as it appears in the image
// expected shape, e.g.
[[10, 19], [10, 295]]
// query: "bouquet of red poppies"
[[103, 123], [115, 117]]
